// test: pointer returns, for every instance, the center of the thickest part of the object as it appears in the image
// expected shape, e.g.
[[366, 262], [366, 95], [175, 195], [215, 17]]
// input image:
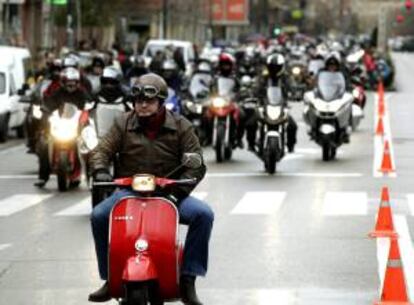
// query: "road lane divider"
[[259, 203], [385, 225], [83, 208], [17, 203]]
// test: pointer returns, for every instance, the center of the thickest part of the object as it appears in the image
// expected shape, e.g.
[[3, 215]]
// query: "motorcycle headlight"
[[143, 183], [89, 137], [220, 102], [37, 113], [296, 70], [273, 112], [64, 130]]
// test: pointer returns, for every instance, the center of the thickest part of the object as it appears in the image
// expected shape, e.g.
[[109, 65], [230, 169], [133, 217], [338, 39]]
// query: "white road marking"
[[383, 249], [11, 149], [259, 203], [83, 208], [407, 252], [18, 177], [4, 246], [379, 140], [17, 203], [410, 199], [345, 203], [305, 175], [268, 297], [200, 195]]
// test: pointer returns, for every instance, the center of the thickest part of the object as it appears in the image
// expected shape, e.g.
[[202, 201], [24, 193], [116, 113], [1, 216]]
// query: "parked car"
[[13, 73]]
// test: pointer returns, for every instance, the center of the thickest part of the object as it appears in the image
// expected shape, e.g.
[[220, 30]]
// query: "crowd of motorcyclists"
[[109, 116]]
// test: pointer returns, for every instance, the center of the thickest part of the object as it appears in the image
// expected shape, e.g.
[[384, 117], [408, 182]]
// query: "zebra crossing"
[[251, 203]]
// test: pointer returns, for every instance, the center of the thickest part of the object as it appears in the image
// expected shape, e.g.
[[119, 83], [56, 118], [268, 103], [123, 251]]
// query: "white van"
[[186, 47], [14, 65]]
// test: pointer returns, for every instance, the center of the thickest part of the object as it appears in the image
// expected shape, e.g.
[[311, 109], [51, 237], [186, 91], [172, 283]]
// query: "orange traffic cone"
[[394, 291], [385, 224], [380, 127], [386, 164]]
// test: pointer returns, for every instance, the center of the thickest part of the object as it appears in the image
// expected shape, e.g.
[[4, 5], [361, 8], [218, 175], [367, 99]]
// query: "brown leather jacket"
[[139, 154]]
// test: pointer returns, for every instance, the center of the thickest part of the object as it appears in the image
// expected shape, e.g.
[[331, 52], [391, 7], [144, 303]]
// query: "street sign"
[[229, 12]]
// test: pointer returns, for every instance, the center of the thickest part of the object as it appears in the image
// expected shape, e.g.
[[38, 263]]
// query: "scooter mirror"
[[192, 160]]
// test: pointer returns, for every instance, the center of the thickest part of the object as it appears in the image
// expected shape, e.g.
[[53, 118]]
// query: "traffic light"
[[400, 18], [408, 5]]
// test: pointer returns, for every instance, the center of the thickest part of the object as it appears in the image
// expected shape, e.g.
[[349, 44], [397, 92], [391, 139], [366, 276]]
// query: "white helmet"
[[70, 74]]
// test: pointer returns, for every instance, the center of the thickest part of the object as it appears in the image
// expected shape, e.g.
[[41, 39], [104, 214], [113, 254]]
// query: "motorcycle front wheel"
[[270, 156], [220, 145], [328, 152], [136, 294]]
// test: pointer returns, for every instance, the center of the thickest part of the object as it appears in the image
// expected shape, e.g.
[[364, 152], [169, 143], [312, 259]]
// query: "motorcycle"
[[328, 113], [65, 126], [223, 112], [145, 253], [358, 104], [102, 116], [194, 107], [272, 121], [296, 81]]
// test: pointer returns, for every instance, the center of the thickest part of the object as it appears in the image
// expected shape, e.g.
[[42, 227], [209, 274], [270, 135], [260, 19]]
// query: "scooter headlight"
[[169, 106], [143, 183], [220, 102], [141, 245], [64, 130], [296, 70], [273, 112], [194, 107]]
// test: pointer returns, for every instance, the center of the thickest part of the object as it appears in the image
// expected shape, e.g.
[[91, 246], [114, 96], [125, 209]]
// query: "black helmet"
[[150, 85], [98, 62], [111, 76], [275, 64], [333, 59]]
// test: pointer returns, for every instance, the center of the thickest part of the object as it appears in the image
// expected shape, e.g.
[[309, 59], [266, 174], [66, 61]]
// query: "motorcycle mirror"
[[192, 160]]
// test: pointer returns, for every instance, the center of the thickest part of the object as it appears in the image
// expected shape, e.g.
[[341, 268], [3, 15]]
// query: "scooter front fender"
[[139, 268]]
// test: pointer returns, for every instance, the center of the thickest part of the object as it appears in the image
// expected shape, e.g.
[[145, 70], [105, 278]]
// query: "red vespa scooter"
[[144, 251]]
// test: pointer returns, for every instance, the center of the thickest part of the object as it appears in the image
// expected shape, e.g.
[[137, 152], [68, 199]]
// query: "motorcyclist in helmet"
[[71, 92], [95, 72], [150, 132], [72, 61], [226, 69], [138, 69], [276, 76], [172, 75], [112, 88]]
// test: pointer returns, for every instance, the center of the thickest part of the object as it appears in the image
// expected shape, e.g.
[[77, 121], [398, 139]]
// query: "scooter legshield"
[[156, 221]]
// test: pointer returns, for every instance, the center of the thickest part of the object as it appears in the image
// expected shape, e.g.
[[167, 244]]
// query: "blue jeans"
[[193, 212]]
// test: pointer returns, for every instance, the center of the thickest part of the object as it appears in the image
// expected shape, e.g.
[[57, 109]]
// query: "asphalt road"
[[298, 237]]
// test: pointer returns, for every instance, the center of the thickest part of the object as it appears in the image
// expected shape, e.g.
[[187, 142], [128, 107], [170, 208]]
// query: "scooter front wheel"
[[136, 294]]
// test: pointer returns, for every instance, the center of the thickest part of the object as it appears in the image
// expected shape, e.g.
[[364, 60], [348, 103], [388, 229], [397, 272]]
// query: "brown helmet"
[[150, 85]]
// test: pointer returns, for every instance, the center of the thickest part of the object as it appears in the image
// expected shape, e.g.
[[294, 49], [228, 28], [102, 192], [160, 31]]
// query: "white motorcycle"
[[328, 112]]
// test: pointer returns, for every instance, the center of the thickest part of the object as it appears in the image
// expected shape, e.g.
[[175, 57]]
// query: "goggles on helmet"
[[146, 91]]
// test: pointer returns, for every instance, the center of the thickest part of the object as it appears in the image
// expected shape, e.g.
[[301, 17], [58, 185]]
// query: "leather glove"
[[102, 175]]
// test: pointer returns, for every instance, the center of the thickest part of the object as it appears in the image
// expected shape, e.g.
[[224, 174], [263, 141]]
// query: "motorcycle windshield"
[[68, 111], [315, 66], [200, 84], [105, 115], [331, 85], [225, 87], [274, 96]]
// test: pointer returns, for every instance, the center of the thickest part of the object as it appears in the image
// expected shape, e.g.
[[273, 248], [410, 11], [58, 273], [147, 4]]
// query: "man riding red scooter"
[[141, 220]]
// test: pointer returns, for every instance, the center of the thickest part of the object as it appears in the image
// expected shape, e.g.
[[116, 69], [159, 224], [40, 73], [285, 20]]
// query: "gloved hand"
[[102, 175]]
